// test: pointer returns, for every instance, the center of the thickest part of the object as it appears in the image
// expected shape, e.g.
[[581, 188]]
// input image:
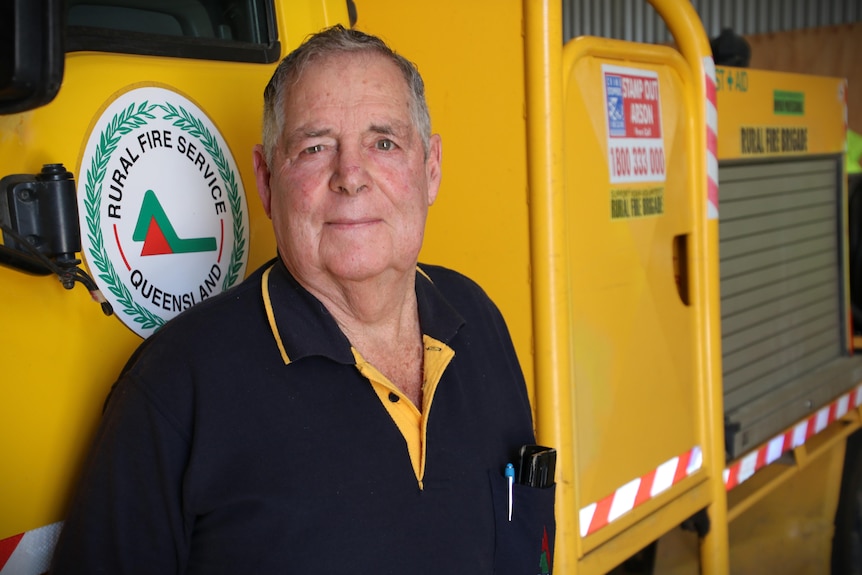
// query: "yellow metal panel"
[[297, 20], [812, 454], [554, 338], [668, 401], [60, 354], [790, 529], [770, 114], [626, 542], [634, 341]]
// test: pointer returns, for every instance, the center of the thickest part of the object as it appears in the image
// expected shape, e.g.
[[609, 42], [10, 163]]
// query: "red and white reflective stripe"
[[29, 553], [634, 493], [711, 140], [742, 469]]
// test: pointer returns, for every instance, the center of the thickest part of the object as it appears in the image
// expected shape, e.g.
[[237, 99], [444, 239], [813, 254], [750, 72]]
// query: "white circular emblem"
[[163, 212]]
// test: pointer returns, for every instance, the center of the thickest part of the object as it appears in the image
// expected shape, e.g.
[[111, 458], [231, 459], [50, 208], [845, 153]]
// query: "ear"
[[261, 176], [433, 166]]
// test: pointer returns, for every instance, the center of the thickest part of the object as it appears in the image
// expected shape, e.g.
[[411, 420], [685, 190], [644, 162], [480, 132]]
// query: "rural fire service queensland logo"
[[163, 212]]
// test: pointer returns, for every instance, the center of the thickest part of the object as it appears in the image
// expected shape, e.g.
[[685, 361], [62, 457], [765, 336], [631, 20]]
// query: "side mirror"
[[31, 53]]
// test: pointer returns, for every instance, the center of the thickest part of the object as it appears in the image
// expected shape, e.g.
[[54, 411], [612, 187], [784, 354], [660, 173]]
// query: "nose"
[[349, 175]]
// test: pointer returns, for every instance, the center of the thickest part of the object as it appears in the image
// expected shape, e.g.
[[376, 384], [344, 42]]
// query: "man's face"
[[349, 186]]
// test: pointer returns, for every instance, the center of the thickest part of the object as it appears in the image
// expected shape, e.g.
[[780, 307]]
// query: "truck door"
[[632, 394], [156, 117]]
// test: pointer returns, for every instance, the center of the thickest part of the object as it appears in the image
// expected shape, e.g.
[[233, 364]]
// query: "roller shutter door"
[[783, 336]]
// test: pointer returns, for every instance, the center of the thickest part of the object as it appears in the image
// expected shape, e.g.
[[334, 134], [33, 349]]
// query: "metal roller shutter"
[[783, 340]]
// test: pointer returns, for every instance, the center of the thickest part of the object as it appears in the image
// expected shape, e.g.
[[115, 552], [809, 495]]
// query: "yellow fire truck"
[[691, 359]]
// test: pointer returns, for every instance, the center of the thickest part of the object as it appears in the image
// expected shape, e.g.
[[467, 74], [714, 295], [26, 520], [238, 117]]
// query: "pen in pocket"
[[510, 478]]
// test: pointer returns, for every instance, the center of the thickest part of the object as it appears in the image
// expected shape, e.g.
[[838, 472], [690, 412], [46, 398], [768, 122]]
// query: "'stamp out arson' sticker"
[[163, 213], [633, 109]]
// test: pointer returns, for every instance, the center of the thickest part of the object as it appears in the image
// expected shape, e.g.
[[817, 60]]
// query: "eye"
[[313, 149], [385, 145]]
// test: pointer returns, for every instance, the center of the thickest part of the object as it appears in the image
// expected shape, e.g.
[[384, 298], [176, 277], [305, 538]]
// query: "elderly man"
[[343, 410]]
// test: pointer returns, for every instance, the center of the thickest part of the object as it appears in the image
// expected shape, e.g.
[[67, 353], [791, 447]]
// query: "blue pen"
[[510, 476]]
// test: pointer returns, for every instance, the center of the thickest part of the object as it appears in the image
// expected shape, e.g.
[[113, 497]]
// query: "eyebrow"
[[304, 132], [393, 129], [384, 129]]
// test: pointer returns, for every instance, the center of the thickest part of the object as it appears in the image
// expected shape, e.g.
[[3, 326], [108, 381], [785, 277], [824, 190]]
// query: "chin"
[[356, 271]]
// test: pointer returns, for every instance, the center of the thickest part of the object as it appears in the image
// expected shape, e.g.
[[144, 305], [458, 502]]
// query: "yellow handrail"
[[552, 364]]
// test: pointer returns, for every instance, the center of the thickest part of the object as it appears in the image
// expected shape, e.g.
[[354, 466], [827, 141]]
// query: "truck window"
[[230, 30]]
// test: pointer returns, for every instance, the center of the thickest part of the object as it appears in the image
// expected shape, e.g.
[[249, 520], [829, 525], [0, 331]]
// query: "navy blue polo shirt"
[[249, 436]]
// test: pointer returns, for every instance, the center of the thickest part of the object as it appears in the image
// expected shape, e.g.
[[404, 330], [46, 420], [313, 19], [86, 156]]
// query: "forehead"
[[346, 78]]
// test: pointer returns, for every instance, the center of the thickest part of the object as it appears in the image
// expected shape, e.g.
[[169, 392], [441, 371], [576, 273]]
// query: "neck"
[[381, 303], [381, 310], [381, 319]]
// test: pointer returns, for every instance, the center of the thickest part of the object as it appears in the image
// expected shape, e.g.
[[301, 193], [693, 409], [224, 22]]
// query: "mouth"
[[352, 223]]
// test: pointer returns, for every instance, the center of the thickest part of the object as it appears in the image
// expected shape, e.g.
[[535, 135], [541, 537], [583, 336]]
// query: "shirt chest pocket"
[[524, 527]]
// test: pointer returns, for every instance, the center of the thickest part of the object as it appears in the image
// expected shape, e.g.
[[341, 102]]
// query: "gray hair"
[[332, 41]]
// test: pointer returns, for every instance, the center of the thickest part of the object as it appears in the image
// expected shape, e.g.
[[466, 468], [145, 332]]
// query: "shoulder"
[[453, 284], [209, 342], [220, 320], [229, 308], [464, 295]]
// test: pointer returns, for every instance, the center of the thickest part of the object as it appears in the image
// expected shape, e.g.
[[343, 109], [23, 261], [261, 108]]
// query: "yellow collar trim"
[[270, 315], [412, 423]]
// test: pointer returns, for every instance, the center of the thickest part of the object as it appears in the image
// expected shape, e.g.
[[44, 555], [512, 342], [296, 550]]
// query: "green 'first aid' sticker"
[[788, 103]]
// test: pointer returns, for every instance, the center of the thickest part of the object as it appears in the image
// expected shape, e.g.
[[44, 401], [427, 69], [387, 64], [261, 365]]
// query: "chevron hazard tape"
[[711, 140], [742, 469], [638, 491], [29, 553]]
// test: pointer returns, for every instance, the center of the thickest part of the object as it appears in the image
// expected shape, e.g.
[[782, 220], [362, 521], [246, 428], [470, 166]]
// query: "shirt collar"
[[302, 326]]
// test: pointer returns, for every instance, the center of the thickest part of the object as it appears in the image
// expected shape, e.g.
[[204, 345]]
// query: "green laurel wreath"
[[188, 123], [121, 124], [133, 117]]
